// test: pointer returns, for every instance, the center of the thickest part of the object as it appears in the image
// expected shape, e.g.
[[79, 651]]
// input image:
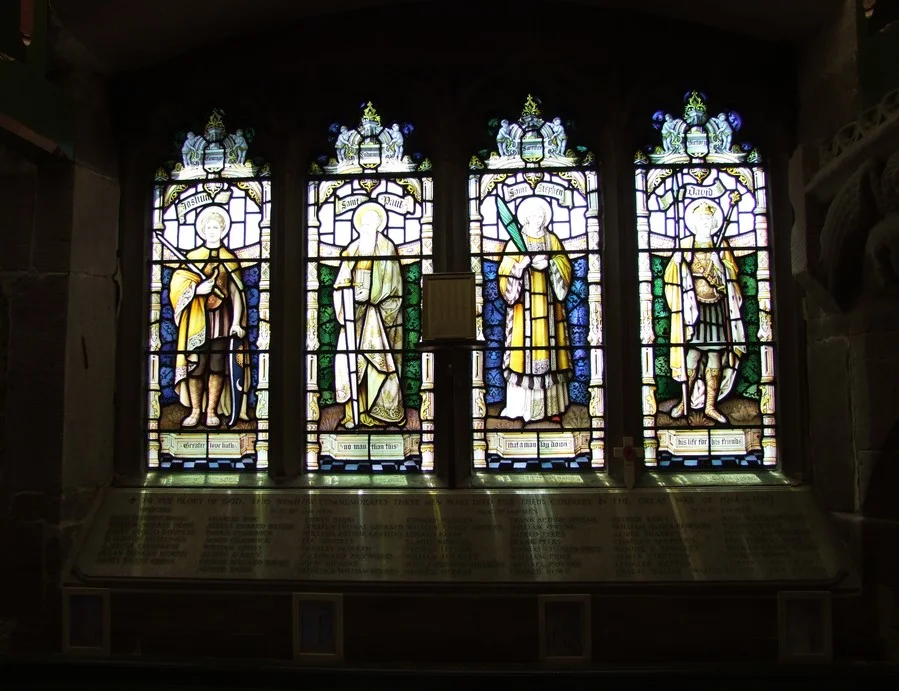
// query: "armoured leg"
[[683, 407], [712, 386]]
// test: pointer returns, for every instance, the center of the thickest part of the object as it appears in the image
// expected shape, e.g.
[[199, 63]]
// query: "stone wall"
[[36, 197], [57, 317], [828, 75], [844, 241]]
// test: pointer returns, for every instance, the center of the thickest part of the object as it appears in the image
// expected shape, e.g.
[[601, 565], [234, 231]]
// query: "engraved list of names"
[[465, 536]]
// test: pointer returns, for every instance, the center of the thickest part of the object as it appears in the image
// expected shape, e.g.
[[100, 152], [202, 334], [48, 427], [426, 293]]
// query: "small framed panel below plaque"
[[805, 626], [318, 628], [449, 310], [564, 629], [85, 621]]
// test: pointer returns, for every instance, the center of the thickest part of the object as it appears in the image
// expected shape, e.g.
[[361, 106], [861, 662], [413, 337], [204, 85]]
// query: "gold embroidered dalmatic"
[[536, 364]]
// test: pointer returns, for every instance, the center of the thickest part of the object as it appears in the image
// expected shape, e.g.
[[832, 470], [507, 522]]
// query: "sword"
[[349, 325], [188, 264]]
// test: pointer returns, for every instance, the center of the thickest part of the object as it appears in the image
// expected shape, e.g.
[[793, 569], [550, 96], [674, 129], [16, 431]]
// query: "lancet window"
[[706, 312], [534, 213], [369, 389], [210, 329]]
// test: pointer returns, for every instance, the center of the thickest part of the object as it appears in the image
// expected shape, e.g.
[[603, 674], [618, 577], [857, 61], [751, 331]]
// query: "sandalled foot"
[[191, 420], [714, 414]]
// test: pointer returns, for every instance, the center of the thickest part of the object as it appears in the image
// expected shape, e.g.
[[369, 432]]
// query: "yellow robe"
[[536, 364], [194, 323], [376, 335], [680, 295]]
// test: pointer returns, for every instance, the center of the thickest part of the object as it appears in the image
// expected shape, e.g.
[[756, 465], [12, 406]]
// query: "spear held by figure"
[[735, 198]]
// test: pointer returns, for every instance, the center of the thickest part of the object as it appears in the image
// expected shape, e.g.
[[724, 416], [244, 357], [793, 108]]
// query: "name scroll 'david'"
[[208, 355], [706, 322], [534, 224], [369, 390]]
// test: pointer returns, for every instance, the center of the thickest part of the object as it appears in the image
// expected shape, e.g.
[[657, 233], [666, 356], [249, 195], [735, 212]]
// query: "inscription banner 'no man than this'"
[[682, 535]]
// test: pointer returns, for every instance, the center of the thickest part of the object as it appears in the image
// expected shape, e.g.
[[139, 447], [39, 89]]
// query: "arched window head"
[[706, 320], [534, 223], [209, 305], [369, 390]]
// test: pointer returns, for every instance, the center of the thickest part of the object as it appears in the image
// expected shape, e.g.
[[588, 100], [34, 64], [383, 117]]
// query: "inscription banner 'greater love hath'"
[[682, 535]]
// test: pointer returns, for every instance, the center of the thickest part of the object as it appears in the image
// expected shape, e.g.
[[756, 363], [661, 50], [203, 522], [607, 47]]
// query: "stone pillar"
[[845, 241], [92, 282], [36, 196], [57, 352]]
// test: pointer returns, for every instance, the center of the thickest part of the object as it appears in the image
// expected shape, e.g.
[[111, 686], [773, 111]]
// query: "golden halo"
[[703, 207], [531, 205], [370, 208], [207, 213]]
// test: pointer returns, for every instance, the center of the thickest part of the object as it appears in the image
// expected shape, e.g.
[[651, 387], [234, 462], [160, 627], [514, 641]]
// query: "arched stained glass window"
[[706, 320], [369, 390], [534, 222], [209, 305]]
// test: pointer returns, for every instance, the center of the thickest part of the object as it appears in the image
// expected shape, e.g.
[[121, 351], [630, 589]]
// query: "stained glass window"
[[369, 389], [534, 224], [706, 323], [209, 305]]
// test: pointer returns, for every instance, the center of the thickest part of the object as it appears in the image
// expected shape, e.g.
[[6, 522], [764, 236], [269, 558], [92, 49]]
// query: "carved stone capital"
[[845, 196]]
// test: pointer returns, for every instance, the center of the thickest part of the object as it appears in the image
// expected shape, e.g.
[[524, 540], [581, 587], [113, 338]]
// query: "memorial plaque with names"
[[526, 536]]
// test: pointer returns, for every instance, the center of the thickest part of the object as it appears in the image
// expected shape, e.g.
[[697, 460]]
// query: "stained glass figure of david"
[[703, 294]]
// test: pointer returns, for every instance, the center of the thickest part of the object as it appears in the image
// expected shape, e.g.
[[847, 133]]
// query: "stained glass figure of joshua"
[[703, 294], [368, 300], [209, 303], [534, 278]]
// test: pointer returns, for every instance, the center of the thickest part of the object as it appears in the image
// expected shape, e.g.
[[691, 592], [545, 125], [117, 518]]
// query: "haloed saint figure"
[[209, 304], [707, 335], [534, 278], [368, 301]]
